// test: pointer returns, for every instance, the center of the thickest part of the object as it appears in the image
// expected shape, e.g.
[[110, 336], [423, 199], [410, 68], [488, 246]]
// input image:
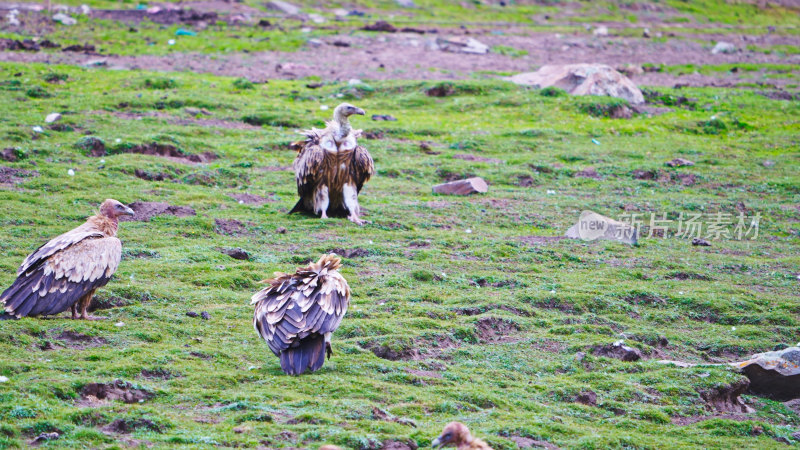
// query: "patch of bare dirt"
[[424, 373], [477, 310], [399, 445], [688, 276], [588, 398], [230, 227], [422, 348], [526, 442], [618, 351], [167, 15], [539, 240], [144, 211], [555, 303], [690, 420], [95, 394], [128, 426], [167, 151], [645, 299], [251, 199], [495, 329], [153, 176], [72, 339], [726, 398], [476, 158], [10, 176], [589, 172], [275, 168], [159, 373]]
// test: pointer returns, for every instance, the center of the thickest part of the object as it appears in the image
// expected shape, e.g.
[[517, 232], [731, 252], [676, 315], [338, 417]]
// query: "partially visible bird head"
[[345, 110], [454, 433], [329, 261], [112, 209]]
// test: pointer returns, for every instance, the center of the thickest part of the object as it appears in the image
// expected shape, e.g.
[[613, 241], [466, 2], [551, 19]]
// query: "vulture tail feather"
[[309, 355], [299, 207]]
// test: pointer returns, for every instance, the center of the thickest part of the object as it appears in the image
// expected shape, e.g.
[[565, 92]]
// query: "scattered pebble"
[[205, 315], [595, 142], [191, 314], [119, 324], [3, 379], [38, 129], [241, 202], [53, 117], [354, 81], [64, 19], [467, 231], [171, 42], [551, 192], [701, 242], [324, 107], [71, 172], [117, 140], [280, 230]]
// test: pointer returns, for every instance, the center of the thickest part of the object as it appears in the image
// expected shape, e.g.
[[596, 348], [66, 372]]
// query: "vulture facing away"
[[456, 434], [298, 312], [65, 272], [331, 168]]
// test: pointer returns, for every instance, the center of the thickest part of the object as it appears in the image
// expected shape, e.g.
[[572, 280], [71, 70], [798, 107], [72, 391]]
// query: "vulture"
[[331, 168], [65, 272], [456, 434], [298, 312]]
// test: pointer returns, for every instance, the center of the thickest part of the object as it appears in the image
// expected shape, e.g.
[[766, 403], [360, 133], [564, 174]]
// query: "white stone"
[[284, 7], [354, 81], [171, 42], [85, 10], [119, 324], [38, 129], [52, 117], [460, 44], [602, 30], [324, 107], [592, 226], [64, 19], [316, 18], [71, 172], [723, 47], [3, 379], [583, 79]]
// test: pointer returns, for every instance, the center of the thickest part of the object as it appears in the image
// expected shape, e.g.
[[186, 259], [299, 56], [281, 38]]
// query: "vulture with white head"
[[65, 272], [331, 168], [298, 313]]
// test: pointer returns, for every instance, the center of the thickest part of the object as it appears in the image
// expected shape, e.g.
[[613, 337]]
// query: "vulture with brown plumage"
[[65, 272], [298, 313], [331, 168], [456, 434]]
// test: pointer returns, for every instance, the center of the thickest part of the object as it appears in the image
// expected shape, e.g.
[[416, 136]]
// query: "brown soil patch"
[[167, 151], [645, 299], [95, 394], [495, 329], [621, 352], [525, 442], [688, 276], [10, 176], [424, 373], [588, 398], [726, 398], [555, 303], [230, 227], [159, 373], [251, 199], [477, 310], [695, 419], [70, 339], [589, 172], [399, 445], [476, 158], [165, 16], [9, 154], [144, 211], [153, 176], [275, 168]]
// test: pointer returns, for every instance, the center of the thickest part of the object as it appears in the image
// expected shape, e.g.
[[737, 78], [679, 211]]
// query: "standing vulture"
[[65, 272], [456, 434], [331, 168], [298, 312]]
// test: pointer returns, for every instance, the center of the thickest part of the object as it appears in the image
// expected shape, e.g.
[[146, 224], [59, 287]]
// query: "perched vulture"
[[65, 272], [331, 168], [456, 434], [298, 312]]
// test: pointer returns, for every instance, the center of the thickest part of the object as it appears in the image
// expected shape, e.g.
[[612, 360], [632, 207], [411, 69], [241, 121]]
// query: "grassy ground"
[[484, 322]]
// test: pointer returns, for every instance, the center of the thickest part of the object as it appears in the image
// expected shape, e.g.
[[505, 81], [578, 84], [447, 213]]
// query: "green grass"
[[421, 266]]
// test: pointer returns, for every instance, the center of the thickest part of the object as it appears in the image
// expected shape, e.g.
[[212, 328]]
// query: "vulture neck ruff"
[[106, 225], [342, 123]]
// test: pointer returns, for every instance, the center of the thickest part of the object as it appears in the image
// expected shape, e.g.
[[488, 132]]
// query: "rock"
[[588, 398], [382, 26], [701, 242], [768, 163], [280, 230], [723, 47], [64, 19], [386, 117], [592, 226], [94, 63], [630, 70], [726, 397], [235, 253], [583, 79], [679, 162], [3, 379], [12, 19], [775, 375], [406, 3], [10, 154], [589, 172], [646, 33], [460, 44], [52, 117], [205, 315], [45, 437], [316, 18], [315, 42], [191, 314], [602, 30], [619, 351], [284, 7], [462, 187]]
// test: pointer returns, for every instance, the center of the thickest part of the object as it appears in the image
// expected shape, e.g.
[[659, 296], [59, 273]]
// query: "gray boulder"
[[774, 374], [469, 186], [583, 79], [592, 226]]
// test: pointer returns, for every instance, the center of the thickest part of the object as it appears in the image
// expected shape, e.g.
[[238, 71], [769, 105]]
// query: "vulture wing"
[[57, 244], [296, 311], [307, 166], [363, 167], [52, 283]]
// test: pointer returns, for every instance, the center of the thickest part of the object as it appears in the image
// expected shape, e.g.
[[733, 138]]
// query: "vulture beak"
[[128, 212], [359, 111], [436, 443]]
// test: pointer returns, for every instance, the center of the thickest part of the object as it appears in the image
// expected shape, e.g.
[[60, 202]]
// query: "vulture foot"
[[88, 317], [356, 220], [328, 350], [324, 215]]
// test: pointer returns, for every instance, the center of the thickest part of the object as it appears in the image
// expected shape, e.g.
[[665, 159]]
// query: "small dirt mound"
[[399, 445], [251, 199], [153, 176], [350, 253], [619, 351], [644, 174], [688, 276], [159, 373], [588, 398], [555, 303], [726, 398], [163, 150], [483, 282], [476, 158], [144, 211], [230, 227], [538, 240], [441, 90], [589, 172], [477, 310], [71, 339], [645, 299], [235, 253], [526, 442], [95, 393], [432, 347], [166, 16], [495, 329], [9, 175], [128, 426]]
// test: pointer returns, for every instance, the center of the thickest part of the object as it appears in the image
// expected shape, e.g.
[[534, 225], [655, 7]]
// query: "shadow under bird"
[[456, 434], [331, 168], [65, 272], [298, 313]]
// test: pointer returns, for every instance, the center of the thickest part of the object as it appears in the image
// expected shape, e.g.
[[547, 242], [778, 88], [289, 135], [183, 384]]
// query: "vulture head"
[[345, 110], [454, 434], [113, 209]]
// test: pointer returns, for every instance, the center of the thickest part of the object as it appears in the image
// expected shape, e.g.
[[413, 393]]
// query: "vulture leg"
[[321, 201], [74, 311], [350, 195], [85, 301], [328, 349]]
